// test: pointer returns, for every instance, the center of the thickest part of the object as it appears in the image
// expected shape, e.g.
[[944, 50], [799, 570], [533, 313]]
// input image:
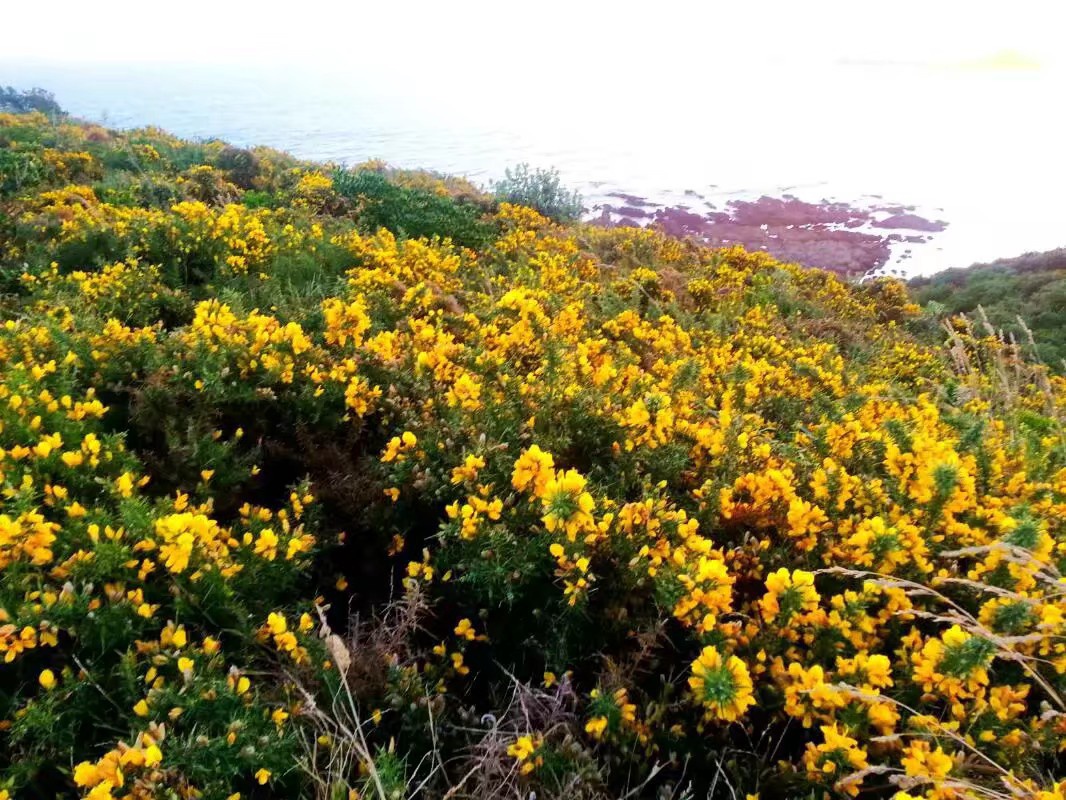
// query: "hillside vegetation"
[[343, 483], [1030, 287]]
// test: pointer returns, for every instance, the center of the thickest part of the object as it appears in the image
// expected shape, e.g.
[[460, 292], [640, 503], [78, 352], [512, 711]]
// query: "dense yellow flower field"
[[298, 504]]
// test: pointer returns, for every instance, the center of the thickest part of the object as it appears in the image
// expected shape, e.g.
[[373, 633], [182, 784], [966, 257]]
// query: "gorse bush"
[[324, 489], [241, 165], [539, 189]]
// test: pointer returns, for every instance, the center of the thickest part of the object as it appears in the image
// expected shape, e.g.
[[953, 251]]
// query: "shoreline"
[[847, 239]]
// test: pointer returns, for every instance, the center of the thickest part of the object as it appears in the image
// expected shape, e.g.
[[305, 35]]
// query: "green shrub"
[[1035, 292], [18, 169], [409, 211], [540, 189]]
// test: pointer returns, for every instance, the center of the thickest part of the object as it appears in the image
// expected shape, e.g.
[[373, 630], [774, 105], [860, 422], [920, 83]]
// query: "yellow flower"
[[465, 630], [722, 686], [179, 638], [86, 774], [836, 758], [533, 470], [468, 472], [124, 484], [870, 671], [596, 726], [920, 760], [788, 594], [808, 696], [1008, 702], [465, 393], [568, 507], [458, 665], [262, 775], [954, 665], [152, 756], [524, 750], [101, 791], [398, 447], [47, 679]]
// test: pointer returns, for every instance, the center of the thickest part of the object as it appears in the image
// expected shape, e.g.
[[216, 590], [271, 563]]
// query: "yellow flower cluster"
[[856, 509], [108, 775]]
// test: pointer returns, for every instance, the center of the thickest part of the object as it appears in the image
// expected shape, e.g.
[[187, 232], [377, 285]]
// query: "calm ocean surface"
[[982, 150]]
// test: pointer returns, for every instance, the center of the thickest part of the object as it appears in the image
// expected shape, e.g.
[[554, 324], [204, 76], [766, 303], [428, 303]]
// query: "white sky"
[[517, 43]]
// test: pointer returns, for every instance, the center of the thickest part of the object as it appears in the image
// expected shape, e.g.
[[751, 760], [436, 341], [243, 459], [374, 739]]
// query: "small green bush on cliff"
[[540, 189]]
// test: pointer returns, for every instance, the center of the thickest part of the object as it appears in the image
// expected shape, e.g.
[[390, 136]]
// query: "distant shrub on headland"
[[539, 189], [24, 101]]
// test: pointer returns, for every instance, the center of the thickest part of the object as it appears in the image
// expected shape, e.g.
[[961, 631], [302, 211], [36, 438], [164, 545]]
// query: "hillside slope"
[[1031, 286], [299, 504]]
